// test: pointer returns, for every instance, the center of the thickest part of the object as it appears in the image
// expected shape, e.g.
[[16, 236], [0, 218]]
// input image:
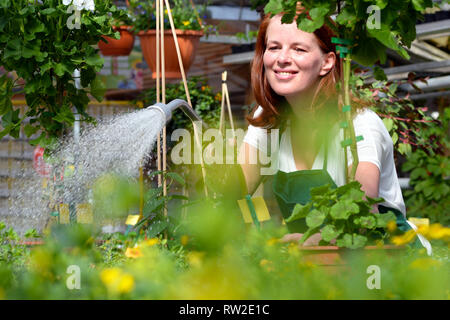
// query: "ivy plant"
[[43, 42], [344, 214]]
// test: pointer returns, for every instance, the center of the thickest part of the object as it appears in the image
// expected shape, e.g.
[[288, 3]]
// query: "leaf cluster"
[[37, 43], [342, 214], [355, 21]]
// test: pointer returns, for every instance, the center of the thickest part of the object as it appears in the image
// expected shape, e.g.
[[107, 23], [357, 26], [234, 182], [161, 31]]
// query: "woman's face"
[[293, 60]]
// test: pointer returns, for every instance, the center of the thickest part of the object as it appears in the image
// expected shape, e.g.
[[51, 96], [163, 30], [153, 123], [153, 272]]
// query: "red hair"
[[274, 105]]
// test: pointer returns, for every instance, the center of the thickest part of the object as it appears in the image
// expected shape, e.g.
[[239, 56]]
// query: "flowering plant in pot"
[[123, 41], [189, 28]]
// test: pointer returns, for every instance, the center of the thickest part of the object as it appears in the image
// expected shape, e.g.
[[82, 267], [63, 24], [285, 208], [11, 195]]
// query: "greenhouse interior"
[[224, 150]]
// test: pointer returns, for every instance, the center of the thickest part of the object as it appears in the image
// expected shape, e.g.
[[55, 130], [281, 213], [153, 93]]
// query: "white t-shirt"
[[376, 147]]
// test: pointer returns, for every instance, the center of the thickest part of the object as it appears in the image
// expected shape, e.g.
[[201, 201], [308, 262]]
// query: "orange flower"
[[133, 253]]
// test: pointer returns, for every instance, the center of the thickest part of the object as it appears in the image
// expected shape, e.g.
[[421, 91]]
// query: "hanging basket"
[[118, 47], [187, 40]]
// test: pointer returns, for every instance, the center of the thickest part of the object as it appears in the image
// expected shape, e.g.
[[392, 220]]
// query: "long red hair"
[[274, 105]]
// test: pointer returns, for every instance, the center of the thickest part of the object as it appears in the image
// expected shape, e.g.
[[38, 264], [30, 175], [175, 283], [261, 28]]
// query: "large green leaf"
[[274, 7], [299, 212], [388, 38], [343, 210], [315, 218], [384, 218], [330, 232]]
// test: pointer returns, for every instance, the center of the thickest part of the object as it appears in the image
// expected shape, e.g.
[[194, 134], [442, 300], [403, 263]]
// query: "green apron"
[[291, 188]]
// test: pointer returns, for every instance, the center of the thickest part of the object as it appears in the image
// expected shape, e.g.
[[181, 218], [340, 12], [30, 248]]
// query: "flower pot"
[[187, 40], [334, 259], [118, 47]]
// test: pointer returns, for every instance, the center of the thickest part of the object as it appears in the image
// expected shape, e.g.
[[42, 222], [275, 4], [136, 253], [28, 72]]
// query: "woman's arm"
[[252, 172], [368, 175]]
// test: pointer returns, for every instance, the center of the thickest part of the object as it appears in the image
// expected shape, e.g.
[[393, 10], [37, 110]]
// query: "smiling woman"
[[294, 78]]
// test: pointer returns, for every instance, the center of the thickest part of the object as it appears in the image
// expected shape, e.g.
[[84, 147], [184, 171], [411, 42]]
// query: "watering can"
[[225, 181]]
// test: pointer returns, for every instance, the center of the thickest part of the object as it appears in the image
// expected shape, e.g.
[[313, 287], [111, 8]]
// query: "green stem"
[[349, 118]]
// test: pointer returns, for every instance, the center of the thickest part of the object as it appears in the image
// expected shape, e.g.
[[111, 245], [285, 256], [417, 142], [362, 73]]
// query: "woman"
[[294, 76]]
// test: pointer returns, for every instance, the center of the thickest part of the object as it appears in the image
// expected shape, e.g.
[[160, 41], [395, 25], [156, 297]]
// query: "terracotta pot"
[[118, 47], [187, 40], [334, 259]]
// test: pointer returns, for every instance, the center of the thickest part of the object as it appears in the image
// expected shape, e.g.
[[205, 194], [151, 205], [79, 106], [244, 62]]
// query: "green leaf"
[[384, 218], [387, 38], [347, 17], [351, 241], [421, 5], [368, 51], [315, 218], [379, 75], [175, 176], [30, 130], [299, 212], [13, 49], [368, 222], [388, 123], [308, 234], [156, 228], [273, 7], [95, 60], [329, 232], [98, 89], [343, 209]]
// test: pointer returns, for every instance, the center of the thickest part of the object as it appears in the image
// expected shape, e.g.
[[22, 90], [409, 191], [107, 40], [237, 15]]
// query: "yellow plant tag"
[[132, 219], [84, 213], [419, 221], [44, 183], [64, 217], [262, 213]]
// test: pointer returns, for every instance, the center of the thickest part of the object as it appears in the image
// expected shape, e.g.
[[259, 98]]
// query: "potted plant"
[[44, 43], [122, 43], [189, 28], [345, 220]]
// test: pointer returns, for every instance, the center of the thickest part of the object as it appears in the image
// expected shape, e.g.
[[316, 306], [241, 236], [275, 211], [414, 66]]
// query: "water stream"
[[117, 145]]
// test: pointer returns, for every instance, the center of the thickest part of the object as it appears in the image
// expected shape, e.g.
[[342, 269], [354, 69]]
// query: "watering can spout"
[[169, 108]]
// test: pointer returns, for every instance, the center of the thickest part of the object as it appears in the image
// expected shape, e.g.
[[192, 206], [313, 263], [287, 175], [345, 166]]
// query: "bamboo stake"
[[163, 96], [183, 75], [158, 92]]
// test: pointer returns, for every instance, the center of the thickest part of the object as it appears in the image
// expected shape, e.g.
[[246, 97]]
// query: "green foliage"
[[342, 214], [205, 102], [12, 252], [429, 176], [409, 126], [396, 25], [185, 17], [38, 45]]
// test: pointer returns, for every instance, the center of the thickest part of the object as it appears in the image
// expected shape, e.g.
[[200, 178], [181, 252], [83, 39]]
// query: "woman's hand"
[[311, 241], [295, 237]]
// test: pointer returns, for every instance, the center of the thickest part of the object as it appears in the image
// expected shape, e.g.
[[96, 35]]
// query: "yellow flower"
[[195, 258], [424, 263], [391, 226], [218, 96], [116, 281], [126, 284], [272, 241], [133, 253], [151, 242], [407, 237], [186, 23], [110, 275], [266, 265], [434, 231], [184, 240]]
